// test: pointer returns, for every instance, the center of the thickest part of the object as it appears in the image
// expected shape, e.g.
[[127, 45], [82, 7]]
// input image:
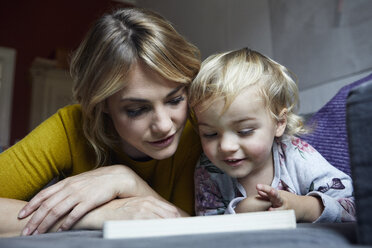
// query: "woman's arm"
[[146, 207], [119, 209], [74, 197], [11, 225]]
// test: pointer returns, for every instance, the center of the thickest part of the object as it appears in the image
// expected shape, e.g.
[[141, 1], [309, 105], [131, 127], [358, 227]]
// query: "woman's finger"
[[57, 213], [143, 208], [38, 199], [49, 212], [79, 211], [163, 209], [83, 207]]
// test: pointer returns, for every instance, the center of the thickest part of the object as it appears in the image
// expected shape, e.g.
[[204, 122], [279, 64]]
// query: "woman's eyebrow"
[[172, 92], [175, 90], [132, 99]]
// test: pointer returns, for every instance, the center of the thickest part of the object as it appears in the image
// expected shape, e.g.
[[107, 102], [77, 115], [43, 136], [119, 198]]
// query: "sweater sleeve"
[[34, 161], [337, 197], [213, 189], [232, 205], [316, 177]]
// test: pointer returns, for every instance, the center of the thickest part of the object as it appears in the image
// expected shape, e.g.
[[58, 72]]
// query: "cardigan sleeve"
[[214, 189], [312, 175]]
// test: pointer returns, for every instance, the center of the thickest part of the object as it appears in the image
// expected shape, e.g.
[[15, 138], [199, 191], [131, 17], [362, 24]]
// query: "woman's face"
[[149, 114]]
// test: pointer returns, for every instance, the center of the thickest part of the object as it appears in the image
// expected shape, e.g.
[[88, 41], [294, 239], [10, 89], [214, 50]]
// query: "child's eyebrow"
[[234, 121], [244, 119], [203, 124]]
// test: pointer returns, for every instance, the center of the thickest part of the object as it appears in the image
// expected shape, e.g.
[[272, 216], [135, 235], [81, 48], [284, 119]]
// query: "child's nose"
[[228, 143]]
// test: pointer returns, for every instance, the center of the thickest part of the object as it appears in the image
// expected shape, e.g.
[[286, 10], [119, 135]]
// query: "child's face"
[[239, 141]]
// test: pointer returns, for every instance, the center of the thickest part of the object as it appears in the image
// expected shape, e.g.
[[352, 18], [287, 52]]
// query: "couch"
[[359, 126], [358, 111]]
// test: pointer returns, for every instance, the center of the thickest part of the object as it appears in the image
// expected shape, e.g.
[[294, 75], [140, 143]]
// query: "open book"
[[199, 225]]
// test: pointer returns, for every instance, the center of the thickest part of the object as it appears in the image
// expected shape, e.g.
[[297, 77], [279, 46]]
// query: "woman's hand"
[[307, 208], [77, 195], [145, 207]]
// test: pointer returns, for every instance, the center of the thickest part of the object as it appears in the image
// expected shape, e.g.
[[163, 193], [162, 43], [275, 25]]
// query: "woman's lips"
[[164, 142]]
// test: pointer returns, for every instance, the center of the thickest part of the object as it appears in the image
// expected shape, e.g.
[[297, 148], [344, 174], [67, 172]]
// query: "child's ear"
[[282, 123]]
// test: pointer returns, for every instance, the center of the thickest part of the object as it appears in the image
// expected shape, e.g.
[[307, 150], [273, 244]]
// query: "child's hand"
[[307, 208], [253, 204], [280, 200]]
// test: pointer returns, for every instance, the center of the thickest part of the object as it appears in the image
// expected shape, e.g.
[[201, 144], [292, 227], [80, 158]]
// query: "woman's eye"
[[246, 131], [136, 111], [176, 100]]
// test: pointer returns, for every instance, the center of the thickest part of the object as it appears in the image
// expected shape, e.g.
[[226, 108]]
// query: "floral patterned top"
[[299, 169]]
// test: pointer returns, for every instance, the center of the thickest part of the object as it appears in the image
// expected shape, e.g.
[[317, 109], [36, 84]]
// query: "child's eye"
[[209, 135], [246, 131], [176, 100], [132, 113]]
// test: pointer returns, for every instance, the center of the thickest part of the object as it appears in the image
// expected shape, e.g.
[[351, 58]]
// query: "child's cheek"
[[258, 151], [210, 151]]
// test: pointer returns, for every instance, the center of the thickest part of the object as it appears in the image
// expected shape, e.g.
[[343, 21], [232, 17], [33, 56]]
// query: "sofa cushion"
[[329, 134], [359, 119]]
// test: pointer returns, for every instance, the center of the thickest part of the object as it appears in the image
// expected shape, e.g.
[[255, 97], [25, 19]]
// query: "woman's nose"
[[161, 123], [228, 143]]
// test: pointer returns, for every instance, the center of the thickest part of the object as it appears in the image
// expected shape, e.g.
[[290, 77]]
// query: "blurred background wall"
[[326, 43]]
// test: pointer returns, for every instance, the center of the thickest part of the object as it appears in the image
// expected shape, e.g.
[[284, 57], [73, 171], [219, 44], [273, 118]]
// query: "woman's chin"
[[166, 151], [163, 154]]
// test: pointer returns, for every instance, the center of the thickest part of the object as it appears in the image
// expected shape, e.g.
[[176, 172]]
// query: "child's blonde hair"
[[226, 75]]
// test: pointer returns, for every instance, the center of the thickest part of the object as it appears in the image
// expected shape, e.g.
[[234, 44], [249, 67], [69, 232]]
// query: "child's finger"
[[263, 194], [271, 194], [275, 198], [263, 190], [263, 187], [266, 191]]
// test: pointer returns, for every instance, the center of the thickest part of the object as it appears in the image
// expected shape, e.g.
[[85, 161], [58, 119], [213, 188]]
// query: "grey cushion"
[[305, 235], [359, 124]]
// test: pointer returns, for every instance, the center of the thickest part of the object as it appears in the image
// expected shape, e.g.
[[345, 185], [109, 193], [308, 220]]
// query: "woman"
[[130, 74]]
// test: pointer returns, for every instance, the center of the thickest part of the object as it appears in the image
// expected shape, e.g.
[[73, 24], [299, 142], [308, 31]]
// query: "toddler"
[[244, 107]]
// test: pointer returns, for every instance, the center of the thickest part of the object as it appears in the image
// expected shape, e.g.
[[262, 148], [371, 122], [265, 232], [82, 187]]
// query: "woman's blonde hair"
[[103, 60], [226, 75]]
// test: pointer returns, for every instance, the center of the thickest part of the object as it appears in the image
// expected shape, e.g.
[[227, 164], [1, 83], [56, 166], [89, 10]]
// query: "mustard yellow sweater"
[[58, 147]]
